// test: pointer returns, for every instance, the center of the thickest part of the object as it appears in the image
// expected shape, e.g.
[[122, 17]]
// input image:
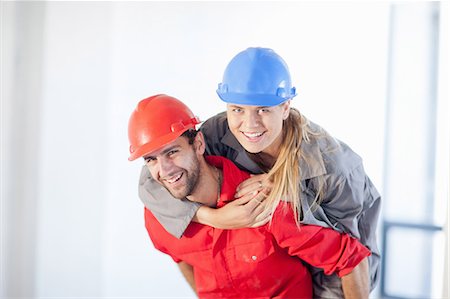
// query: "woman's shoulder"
[[219, 140], [216, 125], [337, 156]]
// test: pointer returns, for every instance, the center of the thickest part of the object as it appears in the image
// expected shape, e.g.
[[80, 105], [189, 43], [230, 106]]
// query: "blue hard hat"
[[256, 77]]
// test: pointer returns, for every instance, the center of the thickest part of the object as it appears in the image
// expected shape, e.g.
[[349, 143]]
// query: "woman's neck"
[[267, 158], [264, 160]]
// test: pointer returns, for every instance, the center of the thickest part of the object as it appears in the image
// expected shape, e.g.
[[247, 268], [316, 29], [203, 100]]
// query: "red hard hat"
[[157, 121]]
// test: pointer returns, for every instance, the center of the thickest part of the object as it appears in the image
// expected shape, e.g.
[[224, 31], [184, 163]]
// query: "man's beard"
[[192, 176]]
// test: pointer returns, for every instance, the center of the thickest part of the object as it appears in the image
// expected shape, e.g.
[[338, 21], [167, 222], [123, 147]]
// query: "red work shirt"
[[263, 262]]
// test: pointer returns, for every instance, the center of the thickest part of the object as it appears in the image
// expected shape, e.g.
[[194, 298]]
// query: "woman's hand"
[[256, 183], [245, 211]]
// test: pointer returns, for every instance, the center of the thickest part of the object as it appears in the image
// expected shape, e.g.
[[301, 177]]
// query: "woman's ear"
[[286, 108]]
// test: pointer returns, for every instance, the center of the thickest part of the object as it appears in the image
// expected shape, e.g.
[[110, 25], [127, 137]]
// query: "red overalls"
[[263, 262]]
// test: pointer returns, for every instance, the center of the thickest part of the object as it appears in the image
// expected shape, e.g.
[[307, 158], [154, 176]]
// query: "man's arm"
[[355, 285], [188, 273]]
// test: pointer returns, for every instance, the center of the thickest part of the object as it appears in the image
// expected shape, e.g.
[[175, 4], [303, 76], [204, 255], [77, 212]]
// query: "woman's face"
[[258, 128]]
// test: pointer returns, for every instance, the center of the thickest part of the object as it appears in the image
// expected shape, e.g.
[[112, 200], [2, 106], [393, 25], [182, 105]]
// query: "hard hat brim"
[[155, 144], [252, 99]]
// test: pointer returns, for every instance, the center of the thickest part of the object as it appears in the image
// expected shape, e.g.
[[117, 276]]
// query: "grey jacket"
[[351, 203]]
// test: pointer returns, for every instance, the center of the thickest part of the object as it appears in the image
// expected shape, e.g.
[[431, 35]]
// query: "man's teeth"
[[174, 179], [252, 135]]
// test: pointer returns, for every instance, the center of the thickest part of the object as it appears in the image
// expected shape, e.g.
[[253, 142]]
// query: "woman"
[[298, 162]]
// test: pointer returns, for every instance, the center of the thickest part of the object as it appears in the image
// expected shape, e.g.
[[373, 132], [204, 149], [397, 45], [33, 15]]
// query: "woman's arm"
[[352, 205], [326, 249], [243, 212]]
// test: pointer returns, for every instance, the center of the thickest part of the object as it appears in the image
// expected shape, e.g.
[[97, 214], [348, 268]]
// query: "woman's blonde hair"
[[285, 174]]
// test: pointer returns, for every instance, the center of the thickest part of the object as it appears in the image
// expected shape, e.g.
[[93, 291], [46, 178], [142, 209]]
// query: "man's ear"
[[199, 143]]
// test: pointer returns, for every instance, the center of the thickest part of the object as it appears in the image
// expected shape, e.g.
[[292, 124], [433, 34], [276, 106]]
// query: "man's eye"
[[237, 110], [172, 152], [150, 159]]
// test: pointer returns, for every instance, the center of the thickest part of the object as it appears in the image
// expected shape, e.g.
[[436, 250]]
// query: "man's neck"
[[207, 190]]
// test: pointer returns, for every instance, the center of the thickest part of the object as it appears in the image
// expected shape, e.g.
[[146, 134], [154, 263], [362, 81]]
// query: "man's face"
[[175, 166]]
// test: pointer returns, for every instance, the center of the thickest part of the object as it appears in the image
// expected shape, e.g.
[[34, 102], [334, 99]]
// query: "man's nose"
[[165, 167]]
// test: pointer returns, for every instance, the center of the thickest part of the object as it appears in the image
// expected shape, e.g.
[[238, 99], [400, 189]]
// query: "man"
[[261, 262]]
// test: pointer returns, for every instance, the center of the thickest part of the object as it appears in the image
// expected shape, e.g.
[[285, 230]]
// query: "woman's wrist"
[[205, 215]]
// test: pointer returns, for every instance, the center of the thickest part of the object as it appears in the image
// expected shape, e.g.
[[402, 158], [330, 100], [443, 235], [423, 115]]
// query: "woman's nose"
[[252, 120]]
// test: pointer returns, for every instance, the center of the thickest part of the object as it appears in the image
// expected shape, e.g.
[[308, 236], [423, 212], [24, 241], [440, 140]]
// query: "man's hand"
[[355, 285]]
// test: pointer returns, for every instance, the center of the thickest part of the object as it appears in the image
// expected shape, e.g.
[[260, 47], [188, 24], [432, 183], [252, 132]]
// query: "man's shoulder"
[[228, 166]]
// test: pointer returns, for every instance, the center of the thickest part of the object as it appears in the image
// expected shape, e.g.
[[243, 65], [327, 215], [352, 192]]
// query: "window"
[[412, 235]]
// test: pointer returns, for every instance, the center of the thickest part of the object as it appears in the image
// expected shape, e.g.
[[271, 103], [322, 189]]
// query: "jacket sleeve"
[[351, 203], [318, 246], [173, 214]]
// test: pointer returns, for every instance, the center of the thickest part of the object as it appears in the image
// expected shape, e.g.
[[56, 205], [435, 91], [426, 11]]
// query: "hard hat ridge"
[[256, 76], [157, 121]]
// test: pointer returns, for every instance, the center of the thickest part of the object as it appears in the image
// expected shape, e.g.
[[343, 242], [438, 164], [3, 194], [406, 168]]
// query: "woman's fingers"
[[244, 199], [261, 216], [249, 188], [251, 200], [254, 183], [262, 222], [251, 180]]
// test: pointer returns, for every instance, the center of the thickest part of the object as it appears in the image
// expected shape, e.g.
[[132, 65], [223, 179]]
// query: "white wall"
[[21, 99], [74, 150], [96, 61]]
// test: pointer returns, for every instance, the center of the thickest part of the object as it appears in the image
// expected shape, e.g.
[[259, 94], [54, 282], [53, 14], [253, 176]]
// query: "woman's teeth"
[[252, 135]]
